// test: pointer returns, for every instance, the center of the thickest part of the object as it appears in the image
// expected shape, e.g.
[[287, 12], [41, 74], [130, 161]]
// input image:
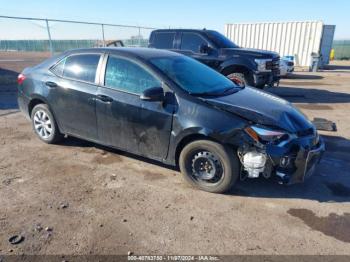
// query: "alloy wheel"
[[42, 124]]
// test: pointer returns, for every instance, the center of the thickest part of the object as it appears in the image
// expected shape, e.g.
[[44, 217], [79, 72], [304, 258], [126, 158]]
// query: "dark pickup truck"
[[243, 66]]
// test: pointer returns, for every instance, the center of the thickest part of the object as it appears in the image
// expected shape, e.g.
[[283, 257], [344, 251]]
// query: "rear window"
[[58, 69], [79, 67], [164, 40]]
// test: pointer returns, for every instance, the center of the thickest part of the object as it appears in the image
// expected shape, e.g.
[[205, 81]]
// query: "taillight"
[[21, 78]]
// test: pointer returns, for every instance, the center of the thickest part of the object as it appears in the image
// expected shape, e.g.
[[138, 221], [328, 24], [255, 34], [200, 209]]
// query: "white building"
[[298, 39]]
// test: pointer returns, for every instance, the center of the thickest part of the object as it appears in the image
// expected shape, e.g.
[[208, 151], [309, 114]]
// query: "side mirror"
[[204, 49], [153, 94]]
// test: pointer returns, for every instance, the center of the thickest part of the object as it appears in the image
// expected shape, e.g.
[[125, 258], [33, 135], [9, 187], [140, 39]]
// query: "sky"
[[208, 14]]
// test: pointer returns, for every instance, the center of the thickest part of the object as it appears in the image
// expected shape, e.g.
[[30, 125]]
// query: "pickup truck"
[[244, 66]]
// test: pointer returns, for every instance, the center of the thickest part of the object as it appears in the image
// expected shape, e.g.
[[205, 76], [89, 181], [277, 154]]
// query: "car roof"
[[143, 53]]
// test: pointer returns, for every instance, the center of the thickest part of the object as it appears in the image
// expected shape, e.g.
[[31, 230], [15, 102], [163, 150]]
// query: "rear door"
[[163, 40], [72, 94], [124, 120]]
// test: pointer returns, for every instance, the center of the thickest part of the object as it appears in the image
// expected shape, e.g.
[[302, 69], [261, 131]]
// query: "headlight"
[[264, 65], [265, 135]]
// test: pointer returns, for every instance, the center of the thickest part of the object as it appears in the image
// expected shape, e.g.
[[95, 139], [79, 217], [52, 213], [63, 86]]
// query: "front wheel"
[[210, 166], [241, 79]]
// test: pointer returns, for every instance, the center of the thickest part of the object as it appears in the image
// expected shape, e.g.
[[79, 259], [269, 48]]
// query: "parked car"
[[115, 43], [243, 66], [110, 43], [286, 67], [169, 107]]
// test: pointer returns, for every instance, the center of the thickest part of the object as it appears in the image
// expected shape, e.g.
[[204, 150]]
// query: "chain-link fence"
[[52, 35], [341, 49]]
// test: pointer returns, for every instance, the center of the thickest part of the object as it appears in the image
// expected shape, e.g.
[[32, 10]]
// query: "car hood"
[[262, 108], [257, 53]]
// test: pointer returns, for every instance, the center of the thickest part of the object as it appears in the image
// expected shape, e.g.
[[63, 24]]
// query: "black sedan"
[[171, 108]]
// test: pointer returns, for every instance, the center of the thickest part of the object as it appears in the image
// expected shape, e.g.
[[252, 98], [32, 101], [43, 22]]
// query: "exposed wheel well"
[[33, 103], [186, 140], [236, 69]]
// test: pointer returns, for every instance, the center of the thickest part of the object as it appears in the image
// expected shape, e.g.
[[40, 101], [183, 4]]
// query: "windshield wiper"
[[222, 92], [203, 94]]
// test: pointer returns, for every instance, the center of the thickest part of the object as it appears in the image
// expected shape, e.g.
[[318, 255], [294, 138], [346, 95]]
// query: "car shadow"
[[337, 67], [329, 183], [309, 95], [304, 76], [8, 89], [77, 142]]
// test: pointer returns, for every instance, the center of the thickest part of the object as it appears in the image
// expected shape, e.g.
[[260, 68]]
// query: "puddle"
[[315, 107], [151, 176], [333, 225], [338, 189], [107, 159]]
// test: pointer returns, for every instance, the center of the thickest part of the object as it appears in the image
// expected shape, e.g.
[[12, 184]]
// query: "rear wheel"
[[209, 166], [44, 124]]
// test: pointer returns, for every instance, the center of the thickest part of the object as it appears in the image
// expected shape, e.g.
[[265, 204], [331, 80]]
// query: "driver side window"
[[192, 42], [125, 75]]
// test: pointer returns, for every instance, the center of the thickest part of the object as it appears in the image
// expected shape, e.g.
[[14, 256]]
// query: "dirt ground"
[[80, 198]]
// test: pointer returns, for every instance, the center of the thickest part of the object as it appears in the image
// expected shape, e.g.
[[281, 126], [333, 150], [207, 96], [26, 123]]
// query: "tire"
[[44, 124], [195, 153], [241, 79]]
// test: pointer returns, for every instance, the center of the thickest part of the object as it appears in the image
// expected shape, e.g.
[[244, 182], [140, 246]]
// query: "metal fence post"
[[103, 35], [50, 40], [139, 36]]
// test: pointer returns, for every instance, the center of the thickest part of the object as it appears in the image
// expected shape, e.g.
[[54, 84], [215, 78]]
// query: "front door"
[[191, 46], [124, 120]]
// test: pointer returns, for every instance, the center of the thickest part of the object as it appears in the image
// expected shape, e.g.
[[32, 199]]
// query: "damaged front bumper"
[[290, 162], [301, 166]]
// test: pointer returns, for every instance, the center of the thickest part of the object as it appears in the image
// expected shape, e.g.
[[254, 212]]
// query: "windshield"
[[220, 40], [194, 77]]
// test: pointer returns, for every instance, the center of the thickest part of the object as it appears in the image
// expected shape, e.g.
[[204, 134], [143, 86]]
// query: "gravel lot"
[[81, 198]]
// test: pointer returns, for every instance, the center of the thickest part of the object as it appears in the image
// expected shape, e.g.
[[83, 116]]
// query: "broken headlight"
[[266, 135]]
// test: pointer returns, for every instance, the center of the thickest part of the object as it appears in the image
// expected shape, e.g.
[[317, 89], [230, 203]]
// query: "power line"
[[73, 21]]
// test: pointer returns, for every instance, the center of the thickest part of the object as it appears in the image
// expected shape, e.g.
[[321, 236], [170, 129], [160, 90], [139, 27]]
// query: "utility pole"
[[103, 35], [139, 37], [49, 33]]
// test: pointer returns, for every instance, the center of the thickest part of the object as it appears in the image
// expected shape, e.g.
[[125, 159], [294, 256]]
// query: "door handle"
[[105, 99], [51, 84]]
